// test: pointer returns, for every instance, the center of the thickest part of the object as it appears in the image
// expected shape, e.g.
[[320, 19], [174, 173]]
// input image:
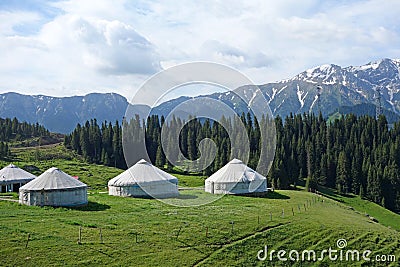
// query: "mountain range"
[[342, 89], [61, 114]]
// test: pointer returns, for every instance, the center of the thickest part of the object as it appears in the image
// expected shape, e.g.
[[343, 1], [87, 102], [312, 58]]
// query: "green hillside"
[[37, 161], [384, 216], [171, 236], [145, 232]]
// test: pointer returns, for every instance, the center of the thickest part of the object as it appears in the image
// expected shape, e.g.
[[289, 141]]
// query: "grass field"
[[96, 176], [146, 232], [384, 216], [171, 236]]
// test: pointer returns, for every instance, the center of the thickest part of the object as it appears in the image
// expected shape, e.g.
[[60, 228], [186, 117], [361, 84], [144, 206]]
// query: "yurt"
[[236, 178], [54, 188], [12, 178], [144, 180]]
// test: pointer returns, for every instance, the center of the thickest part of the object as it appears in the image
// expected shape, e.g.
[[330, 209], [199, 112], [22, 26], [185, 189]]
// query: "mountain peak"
[[378, 64], [381, 73], [324, 74], [61, 114], [349, 86]]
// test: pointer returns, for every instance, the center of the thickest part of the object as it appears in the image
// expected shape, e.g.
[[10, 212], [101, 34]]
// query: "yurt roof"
[[235, 171], [140, 173], [53, 179], [12, 173]]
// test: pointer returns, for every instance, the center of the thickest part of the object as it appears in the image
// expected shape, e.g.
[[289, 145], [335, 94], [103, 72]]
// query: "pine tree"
[[342, 174], [359, 155], [308, 184]]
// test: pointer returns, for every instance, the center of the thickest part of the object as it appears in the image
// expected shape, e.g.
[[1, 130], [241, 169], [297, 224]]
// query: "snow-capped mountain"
[[348, 89], [354, 86], [347, 86], [61, 114]]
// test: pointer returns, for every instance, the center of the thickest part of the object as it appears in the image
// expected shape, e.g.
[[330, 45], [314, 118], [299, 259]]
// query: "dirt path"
[[32, 147], [8, 199], [263, 230]]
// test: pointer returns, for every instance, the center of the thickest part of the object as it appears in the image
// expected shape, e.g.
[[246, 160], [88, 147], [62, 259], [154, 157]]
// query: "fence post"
[[80, 235], [27, 240]]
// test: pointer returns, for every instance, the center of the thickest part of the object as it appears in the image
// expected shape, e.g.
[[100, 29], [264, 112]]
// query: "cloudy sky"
[[74, 47]]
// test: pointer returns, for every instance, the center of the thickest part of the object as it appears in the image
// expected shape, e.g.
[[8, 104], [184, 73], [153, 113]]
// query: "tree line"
[[14, 130], [101, 144], [4, 150], [358, 155]]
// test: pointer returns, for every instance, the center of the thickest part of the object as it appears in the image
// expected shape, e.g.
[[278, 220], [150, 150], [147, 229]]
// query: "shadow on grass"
[[330, 193], [269, 195], [182, 196], [275, 195], [92, 206]]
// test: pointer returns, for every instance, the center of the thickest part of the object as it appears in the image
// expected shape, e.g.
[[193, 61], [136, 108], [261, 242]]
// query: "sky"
[[75, 47]]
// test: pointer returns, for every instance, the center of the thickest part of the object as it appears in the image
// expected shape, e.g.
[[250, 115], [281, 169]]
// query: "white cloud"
[[110, 47], [115, 45], [72, 54]]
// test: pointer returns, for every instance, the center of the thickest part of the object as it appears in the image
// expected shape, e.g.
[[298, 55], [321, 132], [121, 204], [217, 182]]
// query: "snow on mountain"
[[352, 86], [62, 114], [300, 96]]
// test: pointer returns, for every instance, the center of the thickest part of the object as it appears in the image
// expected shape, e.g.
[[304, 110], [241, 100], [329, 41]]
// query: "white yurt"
[[54, 188], [236, 178], [144, 180], [12, 178]]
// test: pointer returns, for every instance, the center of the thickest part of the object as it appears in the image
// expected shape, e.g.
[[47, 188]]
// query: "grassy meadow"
[[39, 160], [146, 232]]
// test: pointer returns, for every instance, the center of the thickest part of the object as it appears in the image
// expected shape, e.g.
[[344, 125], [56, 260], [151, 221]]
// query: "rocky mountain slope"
[[353, 86]]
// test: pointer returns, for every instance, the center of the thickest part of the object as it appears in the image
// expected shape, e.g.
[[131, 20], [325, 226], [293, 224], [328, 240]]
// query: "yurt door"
[[42, 198], [25, 197], [16, 187]]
